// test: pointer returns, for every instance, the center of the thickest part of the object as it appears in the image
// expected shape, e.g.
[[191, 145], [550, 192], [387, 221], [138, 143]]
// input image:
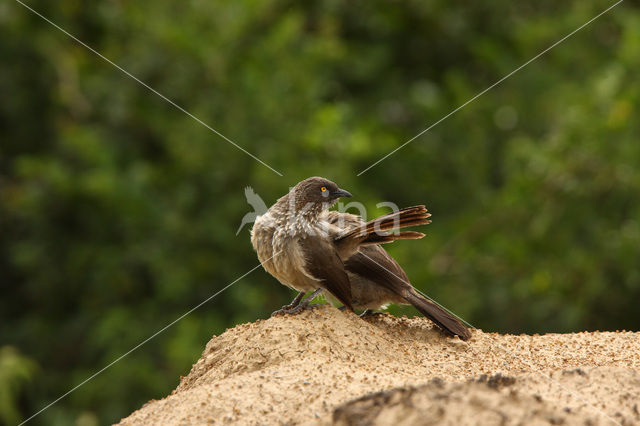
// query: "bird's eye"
[[324, 188]]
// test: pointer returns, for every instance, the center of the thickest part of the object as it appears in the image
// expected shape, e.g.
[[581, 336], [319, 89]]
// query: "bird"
[[309, 248], [259, 207]]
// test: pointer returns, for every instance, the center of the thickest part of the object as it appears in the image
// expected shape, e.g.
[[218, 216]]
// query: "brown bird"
[[309, 248]]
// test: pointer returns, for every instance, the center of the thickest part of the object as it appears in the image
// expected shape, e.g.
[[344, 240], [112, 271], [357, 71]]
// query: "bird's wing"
[[322, 263], [255, 201], [375, 264], [341, 220]]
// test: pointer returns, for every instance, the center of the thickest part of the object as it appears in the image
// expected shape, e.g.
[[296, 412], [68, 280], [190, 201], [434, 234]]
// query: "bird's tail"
[[376, 231], [443, 319]]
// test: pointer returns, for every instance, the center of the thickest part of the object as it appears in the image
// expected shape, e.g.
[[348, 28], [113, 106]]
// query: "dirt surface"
[[326, 366]]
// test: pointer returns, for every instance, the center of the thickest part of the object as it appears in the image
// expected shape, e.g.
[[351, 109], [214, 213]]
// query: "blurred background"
[[118, 212]]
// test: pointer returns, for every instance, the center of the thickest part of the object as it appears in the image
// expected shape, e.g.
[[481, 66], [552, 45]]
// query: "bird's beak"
[[340, 193]]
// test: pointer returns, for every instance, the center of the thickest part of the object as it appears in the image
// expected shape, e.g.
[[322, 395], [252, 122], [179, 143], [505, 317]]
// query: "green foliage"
[[118, 212], [15, 371]]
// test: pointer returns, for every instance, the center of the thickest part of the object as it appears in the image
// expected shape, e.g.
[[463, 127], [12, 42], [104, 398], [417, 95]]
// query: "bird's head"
[[316, 193]]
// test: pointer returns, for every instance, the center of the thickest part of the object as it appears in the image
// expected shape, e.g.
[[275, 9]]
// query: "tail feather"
[[410, 216], [381, 238], [443, 319]]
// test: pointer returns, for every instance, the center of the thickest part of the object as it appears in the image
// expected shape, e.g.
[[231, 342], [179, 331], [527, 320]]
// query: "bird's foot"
[[286, 309], [298, 305], [293, 309]]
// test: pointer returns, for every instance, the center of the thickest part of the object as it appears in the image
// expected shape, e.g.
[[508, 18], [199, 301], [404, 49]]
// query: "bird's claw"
[[290, 310], [298, 304], [293, 310]]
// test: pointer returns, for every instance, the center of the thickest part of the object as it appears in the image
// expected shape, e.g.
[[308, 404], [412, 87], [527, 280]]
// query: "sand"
[[325, 366]]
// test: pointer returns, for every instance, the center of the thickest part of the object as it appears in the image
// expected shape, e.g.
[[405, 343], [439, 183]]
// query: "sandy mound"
[[529, 399], [326, 366]]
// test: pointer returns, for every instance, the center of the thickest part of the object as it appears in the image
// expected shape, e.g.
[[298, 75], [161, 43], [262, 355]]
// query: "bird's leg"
[[295, 302], [305, 302], [298, 304]]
